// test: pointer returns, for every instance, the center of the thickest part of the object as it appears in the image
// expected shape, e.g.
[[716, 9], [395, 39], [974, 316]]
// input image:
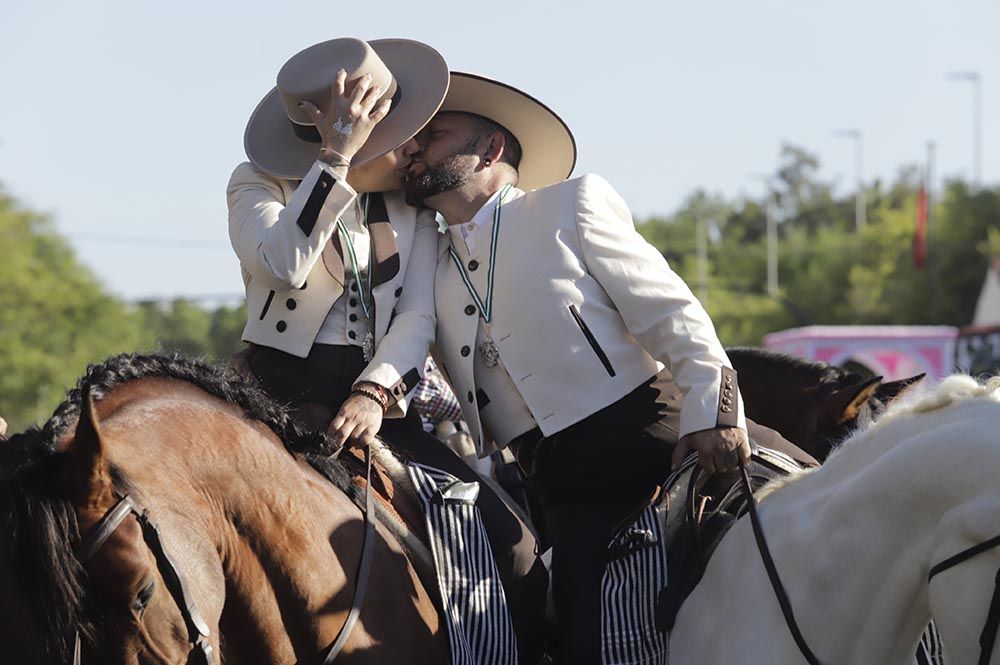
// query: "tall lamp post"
[[977, 121], [702, 249], [860, 209], [772, 235]]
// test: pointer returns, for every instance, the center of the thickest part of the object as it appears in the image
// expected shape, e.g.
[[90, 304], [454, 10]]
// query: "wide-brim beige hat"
[[280, 138], [548, 150]]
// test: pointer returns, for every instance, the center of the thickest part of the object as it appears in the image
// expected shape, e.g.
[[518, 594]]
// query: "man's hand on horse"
[[357, 422], [719, 449]]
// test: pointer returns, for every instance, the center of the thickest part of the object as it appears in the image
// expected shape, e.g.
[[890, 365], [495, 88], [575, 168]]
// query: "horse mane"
[[223, 383], [784, 367], [950, 391], [42, 528], [42, 524]]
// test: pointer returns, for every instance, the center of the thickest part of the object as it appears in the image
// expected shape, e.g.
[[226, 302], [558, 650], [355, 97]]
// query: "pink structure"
[[893, 352]]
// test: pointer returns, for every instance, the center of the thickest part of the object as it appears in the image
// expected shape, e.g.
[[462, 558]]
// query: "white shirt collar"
[[469, 231]]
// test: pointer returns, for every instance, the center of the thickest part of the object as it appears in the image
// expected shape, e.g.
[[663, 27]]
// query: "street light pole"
[[772, 236], [702, 247], [977, 121], [932, 244], [772, 247], [860, 207]]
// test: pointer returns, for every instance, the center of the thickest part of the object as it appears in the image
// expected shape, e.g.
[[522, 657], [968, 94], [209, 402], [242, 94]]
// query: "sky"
[[123, 120]]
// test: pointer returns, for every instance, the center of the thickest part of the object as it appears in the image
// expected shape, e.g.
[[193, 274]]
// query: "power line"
[[147, 241], [234, 298]]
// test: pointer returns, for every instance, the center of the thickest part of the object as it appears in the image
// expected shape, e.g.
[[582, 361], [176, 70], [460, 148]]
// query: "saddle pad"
[[473, 601], [637, 573], [631, 585]]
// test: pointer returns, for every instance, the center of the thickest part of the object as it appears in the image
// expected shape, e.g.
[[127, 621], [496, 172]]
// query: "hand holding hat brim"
[[421, 76]]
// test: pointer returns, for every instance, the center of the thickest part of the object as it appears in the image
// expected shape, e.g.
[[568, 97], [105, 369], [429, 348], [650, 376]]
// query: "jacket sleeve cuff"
[[329, 195], [719, 406]]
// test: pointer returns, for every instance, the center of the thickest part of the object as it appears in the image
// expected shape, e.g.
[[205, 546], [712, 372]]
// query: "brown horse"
[[812, 404], [265, 549]]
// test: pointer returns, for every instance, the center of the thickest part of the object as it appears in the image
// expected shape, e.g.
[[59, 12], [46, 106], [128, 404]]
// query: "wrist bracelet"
[[333, 158], [373, 396]]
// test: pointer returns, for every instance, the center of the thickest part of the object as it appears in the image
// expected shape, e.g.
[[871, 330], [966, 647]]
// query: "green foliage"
[[181, 326], [54, 317], [828, 273]]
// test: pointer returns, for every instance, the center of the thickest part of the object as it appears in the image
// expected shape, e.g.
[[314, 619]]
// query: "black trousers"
[[592, 477], [320, 383]]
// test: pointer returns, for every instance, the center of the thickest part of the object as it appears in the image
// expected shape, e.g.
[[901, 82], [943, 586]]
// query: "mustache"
[[409, 174]]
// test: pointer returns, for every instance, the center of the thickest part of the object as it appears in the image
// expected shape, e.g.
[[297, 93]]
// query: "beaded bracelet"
[[373, 396]]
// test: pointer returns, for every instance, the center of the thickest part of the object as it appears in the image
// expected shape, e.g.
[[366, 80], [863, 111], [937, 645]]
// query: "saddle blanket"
[[630, 590], [475, 608]]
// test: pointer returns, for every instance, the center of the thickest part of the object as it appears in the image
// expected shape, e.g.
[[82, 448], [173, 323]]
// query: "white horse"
[[854, 541]]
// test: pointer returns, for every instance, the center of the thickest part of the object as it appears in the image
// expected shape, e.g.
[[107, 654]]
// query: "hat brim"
[[422, 78], [548, 149]]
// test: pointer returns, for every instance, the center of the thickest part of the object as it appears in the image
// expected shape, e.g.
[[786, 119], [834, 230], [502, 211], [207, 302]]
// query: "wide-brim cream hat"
[[280, 138], [548, 150]]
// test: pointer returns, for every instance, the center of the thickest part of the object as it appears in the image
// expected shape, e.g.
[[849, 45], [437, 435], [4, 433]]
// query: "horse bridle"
[[987, 637], [201, 652], [198, 633]]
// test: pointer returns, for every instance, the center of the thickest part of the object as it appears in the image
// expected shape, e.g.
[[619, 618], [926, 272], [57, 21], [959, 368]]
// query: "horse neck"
[[227, 489], [893, 502]]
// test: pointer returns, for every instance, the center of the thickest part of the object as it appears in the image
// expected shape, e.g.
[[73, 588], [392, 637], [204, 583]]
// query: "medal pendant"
[[368, 347], [489, 352]]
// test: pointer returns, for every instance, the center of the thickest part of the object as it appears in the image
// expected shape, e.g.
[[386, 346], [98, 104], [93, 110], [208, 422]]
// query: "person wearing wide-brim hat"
[[556, 321], [339, 270], [330, 254]]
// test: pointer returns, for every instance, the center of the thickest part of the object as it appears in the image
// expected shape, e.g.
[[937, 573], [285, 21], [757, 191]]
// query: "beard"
[[448, 174]]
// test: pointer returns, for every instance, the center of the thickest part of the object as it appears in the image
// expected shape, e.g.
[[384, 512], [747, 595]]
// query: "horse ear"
[[893, 389], [88, 479], [845, 402]]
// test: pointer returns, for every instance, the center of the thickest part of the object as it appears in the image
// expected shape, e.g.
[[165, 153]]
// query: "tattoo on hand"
[[342, 128]]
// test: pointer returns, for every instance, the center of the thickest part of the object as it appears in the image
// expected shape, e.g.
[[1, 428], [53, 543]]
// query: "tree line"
[[56, 317]]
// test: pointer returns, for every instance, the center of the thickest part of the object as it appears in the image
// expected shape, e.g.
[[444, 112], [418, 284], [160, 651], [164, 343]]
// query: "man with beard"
[[556, 323]]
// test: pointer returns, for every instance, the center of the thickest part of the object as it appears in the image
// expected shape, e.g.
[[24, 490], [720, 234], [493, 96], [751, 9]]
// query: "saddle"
[[693, 512]]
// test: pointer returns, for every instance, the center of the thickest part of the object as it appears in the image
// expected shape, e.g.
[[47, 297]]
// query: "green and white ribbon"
[[364, 290], [485, 309]]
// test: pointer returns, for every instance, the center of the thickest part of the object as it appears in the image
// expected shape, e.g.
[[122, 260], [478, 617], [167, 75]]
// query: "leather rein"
[[202, 652], [986, 639]]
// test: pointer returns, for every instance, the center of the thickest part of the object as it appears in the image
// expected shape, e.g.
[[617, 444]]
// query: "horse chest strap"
[[988, 637]]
